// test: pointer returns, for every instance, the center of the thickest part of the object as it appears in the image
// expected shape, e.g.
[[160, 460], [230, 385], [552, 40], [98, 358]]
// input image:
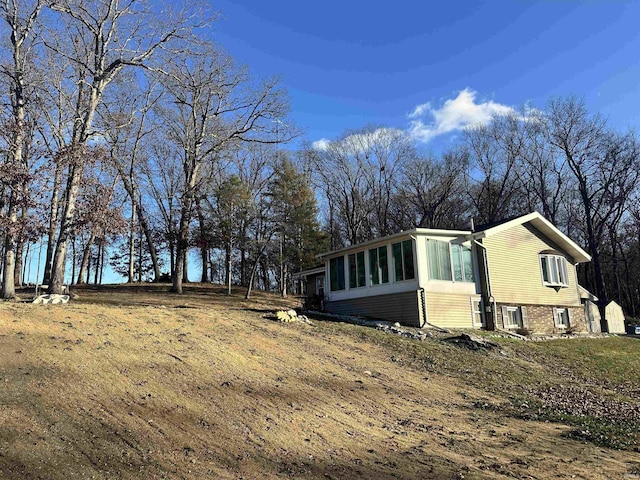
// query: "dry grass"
[[131, 382]]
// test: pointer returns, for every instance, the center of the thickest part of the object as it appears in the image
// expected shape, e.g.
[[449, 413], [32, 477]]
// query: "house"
[[516, 274]]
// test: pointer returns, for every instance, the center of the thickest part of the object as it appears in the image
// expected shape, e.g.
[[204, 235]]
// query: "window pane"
[[545, 268], [514, 317], [432, 258], [444, 260], [407, 252], [383, 263], [468, 265], [554, 270], [336, 272], [563, 270], [396, 250], [352, 270], [361, 269], [374, 277], [457, 262]]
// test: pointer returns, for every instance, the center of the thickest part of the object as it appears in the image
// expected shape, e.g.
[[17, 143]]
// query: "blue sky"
[[350, 63]]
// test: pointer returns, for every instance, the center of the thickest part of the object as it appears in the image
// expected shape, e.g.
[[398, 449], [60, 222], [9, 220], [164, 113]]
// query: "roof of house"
[[545, 227], [586, 294], [310, 271], [403, 233], [538, 221]]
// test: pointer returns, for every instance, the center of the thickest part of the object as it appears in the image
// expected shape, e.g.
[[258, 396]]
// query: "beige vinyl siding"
[[514, 268], [395, 307], [449, 310]]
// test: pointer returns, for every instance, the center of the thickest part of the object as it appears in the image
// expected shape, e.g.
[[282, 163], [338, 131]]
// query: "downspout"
[[492, 300]]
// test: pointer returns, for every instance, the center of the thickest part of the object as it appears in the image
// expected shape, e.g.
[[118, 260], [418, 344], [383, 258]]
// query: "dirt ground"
[[144, 385]]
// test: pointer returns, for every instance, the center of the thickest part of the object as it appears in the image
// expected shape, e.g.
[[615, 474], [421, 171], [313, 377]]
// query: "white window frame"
[[521, 317], [554, 264], [452, 254], [477, 311], [357, 265], [517, 316], [562, 317], [381, 267], [403, 266]]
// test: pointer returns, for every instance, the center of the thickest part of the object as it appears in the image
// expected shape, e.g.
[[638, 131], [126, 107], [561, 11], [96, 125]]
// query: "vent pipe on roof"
[[471, 225]]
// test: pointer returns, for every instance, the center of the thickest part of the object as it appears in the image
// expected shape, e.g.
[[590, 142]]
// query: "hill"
[[132, 382]]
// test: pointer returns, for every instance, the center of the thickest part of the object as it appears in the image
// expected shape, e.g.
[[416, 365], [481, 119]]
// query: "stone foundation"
[[540, 319]]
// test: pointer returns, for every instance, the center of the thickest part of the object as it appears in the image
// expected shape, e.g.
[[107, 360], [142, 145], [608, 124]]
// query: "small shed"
[[614, 318]]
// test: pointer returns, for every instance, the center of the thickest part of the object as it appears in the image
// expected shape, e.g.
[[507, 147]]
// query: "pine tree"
[[295, 211]]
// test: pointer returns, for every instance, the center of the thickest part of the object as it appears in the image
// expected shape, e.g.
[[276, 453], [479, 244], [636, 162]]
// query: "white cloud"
[[420, 110], [361, 141], [455, 114], [321, 144]]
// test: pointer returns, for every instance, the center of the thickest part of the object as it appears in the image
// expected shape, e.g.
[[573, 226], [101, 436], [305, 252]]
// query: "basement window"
[[562, 318]]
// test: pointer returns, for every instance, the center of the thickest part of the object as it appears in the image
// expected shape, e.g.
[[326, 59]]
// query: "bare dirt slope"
[[205, 387]]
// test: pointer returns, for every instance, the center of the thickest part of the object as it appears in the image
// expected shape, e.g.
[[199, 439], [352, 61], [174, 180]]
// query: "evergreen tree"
[[295, 211]]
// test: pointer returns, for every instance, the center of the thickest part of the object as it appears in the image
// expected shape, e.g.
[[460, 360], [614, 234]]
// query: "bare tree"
[[357, 175], [211, 104], [99, 39], [128, 127], [495, 151], [605, 167], [431, 192], [20, 18]]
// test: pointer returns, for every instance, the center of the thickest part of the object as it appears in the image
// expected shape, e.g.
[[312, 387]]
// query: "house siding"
[[540, 320], [449, 311], [514, 268], [403, 308]]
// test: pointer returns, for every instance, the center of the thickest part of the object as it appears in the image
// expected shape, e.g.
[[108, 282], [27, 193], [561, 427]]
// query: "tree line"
[[130, 140], [563, 161]]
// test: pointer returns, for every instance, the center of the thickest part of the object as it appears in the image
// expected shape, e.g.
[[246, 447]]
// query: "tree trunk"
[[8, 270], [98, 267], [60, 256], [228, 264], [53, 224], [83, 273], [144, 224], [204, 253], [18, 273], [177, 276], [132, 244], [185, 265], [265, 276], [243, 266]]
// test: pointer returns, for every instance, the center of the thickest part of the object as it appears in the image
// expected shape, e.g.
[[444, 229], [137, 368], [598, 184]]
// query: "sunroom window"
[[403, 260], [336, 272], [356, 270], [554, 270], [462, 263], [378, 265], [449, 261], [439, 260]]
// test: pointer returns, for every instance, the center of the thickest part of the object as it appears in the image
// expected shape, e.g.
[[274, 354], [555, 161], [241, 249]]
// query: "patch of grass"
[[601, 431], [591, 384]]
